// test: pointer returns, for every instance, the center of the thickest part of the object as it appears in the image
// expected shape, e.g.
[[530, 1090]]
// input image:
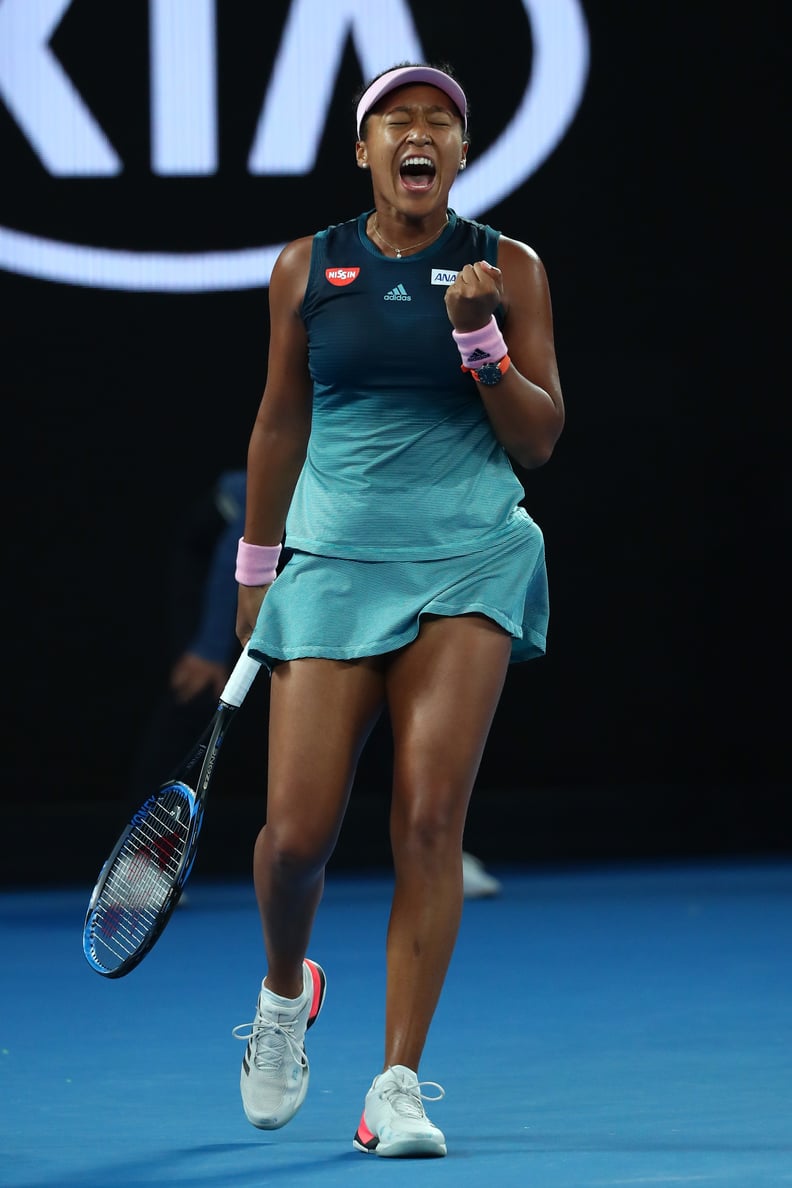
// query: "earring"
[[463, 163]]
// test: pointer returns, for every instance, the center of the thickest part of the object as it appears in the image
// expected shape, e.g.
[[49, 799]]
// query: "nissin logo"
[[99, 136], [342, 276]]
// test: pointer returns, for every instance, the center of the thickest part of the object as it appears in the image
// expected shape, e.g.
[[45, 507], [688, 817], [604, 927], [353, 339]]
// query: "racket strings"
[[141, 879]]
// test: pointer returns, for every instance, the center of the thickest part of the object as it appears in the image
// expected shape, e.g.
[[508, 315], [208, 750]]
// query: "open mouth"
[[417, 173]]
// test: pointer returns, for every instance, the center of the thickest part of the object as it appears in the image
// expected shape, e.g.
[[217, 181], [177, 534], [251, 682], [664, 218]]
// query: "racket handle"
[[241, 679]]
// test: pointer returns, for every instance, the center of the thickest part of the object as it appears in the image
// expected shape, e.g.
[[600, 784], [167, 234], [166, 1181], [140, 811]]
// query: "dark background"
[[656, 724]]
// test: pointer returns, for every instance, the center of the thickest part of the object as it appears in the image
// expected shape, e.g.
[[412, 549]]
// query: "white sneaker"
[[394, 1122], [274, 1077], [476, 881]]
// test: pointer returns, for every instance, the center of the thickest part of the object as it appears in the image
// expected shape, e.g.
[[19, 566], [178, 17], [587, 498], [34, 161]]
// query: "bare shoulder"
[[295, 253], [524, 276], [290, 272], [514, 254]]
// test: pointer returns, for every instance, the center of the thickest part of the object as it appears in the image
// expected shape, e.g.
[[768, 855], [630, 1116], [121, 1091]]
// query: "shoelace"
[[408, 1100], [271, 1041]]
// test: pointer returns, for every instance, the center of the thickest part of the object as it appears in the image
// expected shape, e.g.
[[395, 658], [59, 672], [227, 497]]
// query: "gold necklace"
[[413, 246]]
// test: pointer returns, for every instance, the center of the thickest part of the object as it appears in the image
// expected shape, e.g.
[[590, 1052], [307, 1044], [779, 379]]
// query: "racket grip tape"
[[242, 677]]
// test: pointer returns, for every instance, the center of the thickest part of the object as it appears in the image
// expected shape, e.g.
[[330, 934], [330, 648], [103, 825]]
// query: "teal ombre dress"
[[406, 504]]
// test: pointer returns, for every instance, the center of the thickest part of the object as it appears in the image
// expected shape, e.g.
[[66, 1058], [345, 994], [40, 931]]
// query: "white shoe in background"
[[477, 882]]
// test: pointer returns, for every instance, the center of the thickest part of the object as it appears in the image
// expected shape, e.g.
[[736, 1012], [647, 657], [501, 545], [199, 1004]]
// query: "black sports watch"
[[491, 374]]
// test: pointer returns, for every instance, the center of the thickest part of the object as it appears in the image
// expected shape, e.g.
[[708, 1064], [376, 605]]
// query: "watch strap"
[[503, 366]]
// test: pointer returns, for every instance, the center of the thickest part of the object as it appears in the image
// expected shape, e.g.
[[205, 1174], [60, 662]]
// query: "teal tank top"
[[402, 461]]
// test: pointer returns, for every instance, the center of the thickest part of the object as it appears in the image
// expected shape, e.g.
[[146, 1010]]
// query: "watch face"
[[489, 374]]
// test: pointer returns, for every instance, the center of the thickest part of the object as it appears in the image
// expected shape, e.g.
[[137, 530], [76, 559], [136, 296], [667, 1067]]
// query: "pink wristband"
[[256, 564], [485, 345]]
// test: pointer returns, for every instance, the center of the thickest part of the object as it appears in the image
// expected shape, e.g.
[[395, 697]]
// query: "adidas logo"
[[397, 294], [477, 355]]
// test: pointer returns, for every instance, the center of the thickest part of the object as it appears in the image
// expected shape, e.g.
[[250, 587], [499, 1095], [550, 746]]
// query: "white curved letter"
[[42, 98]]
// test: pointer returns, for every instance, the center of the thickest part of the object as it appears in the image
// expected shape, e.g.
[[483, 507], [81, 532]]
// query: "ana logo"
[[174, 170], [399, 293], [444, 276], [342, 276]]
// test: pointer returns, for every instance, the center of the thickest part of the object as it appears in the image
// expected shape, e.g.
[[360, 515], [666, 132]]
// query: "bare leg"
[[443, 691], [321, 712]]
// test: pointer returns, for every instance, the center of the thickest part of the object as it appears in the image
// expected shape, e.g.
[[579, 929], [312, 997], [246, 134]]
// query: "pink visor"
[[400, 77]]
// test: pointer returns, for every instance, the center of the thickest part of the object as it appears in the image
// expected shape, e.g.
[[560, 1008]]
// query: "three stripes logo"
[[398, 293]]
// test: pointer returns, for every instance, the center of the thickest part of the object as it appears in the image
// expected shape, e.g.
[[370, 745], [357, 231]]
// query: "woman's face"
[[413, 147]]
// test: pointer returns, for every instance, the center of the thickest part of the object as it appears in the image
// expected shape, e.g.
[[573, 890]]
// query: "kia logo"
[[67, 133]]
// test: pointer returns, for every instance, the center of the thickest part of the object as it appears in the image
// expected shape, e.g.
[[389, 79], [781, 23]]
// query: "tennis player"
[[411, 355]]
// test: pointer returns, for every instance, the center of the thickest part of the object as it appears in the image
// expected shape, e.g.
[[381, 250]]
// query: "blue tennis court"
[[605, 1025]]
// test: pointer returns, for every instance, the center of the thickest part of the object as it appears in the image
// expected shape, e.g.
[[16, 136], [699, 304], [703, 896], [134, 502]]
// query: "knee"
[[430, 823], [292, 854]]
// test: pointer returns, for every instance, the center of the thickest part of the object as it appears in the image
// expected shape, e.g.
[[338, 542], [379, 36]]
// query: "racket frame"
[[204, 752]]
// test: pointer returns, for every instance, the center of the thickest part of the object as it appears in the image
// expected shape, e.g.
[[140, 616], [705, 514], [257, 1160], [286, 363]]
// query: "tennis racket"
[[140, 883]]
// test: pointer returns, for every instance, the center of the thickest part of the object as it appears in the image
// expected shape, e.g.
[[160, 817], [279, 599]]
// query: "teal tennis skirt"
[[343, 609]]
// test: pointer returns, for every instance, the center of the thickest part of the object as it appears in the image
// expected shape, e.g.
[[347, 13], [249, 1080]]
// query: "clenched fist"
[[474, 296]]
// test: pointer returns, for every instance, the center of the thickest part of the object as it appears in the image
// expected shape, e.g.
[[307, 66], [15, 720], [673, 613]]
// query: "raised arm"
[[526, 409]]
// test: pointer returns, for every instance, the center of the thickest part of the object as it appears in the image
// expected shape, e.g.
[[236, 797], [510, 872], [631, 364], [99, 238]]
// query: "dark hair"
[[444, 66]]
